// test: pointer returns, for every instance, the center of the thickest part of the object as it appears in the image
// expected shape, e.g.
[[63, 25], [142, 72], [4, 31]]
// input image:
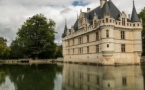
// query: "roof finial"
[[133, 3]]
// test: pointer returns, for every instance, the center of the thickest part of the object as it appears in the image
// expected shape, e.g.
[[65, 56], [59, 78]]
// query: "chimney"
[[88, 9], [102, 2]]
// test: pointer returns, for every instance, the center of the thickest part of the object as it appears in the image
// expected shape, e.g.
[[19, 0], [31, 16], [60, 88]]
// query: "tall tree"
[[142, 16], [35, 38]]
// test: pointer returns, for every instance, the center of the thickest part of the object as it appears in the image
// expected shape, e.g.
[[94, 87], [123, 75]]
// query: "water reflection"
[[84, 77], [35, 77], [71, 77]]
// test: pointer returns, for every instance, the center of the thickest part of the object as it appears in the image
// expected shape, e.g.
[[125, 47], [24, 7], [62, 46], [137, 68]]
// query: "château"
[[104, 35]]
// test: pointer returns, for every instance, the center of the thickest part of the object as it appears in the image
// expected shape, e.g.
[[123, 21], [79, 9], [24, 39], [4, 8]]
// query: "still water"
[[71, 77]]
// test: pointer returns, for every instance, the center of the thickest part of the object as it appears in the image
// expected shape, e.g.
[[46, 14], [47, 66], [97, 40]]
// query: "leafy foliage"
[[142, 16], [4, 49], [35, 39]]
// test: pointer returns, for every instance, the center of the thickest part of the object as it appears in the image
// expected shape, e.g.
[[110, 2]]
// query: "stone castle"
[[104, 36]]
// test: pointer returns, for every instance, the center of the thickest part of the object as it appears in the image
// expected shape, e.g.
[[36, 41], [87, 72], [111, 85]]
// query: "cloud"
[[15, 12]]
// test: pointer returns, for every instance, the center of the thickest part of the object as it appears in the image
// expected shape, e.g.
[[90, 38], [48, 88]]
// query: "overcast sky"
[[14, 12]]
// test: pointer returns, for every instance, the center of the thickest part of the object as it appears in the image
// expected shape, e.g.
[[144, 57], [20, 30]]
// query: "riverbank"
[[49, 61], [28, 61]]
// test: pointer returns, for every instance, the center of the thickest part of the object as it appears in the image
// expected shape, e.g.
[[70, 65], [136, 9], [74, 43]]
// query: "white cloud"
[[15, 12]]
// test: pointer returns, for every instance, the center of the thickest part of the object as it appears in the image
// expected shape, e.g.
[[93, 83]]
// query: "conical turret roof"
[[134, 17], [65, 30]]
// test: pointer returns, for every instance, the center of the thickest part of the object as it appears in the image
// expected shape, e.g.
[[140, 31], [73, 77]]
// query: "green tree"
[[142, 16], [58, 51], [35, 38], [17, 49], [4, 49]]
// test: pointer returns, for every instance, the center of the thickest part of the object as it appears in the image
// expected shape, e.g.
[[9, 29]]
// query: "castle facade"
[[105, 36]]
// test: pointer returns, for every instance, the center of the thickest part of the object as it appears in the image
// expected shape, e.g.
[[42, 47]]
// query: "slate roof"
[[108, 8], [134, 17], [65, 31]]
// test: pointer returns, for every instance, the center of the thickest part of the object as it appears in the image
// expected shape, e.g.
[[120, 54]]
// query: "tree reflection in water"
[[71, 77], [34, 77]]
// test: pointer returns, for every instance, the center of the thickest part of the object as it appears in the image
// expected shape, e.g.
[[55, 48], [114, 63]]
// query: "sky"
[[13, 13]]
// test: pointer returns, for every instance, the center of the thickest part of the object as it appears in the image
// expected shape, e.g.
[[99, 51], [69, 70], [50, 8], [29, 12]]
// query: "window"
[[73, 51], [73, 41], [98, 80], [107, 33], [124, 81], [122, 34], [97, 48], [88, 77], [87, 38], [123, 21], [122, 47], [97, 36], [106, 20], [107, 45], [88, 49], [108, 84]]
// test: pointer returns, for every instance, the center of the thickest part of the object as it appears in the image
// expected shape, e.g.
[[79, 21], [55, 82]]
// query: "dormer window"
[[123, 21], [106, 20]]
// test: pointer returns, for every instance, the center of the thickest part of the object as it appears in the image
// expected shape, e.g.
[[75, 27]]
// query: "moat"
[[71, 77]]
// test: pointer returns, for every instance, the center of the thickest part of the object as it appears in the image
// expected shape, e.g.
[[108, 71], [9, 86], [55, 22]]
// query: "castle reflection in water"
[[86, 77]]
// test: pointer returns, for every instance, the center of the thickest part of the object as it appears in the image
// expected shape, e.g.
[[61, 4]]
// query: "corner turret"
[[134, 17], [65, 30]]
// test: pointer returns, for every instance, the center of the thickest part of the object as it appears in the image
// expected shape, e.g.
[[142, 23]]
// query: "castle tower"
[[136, 34]]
